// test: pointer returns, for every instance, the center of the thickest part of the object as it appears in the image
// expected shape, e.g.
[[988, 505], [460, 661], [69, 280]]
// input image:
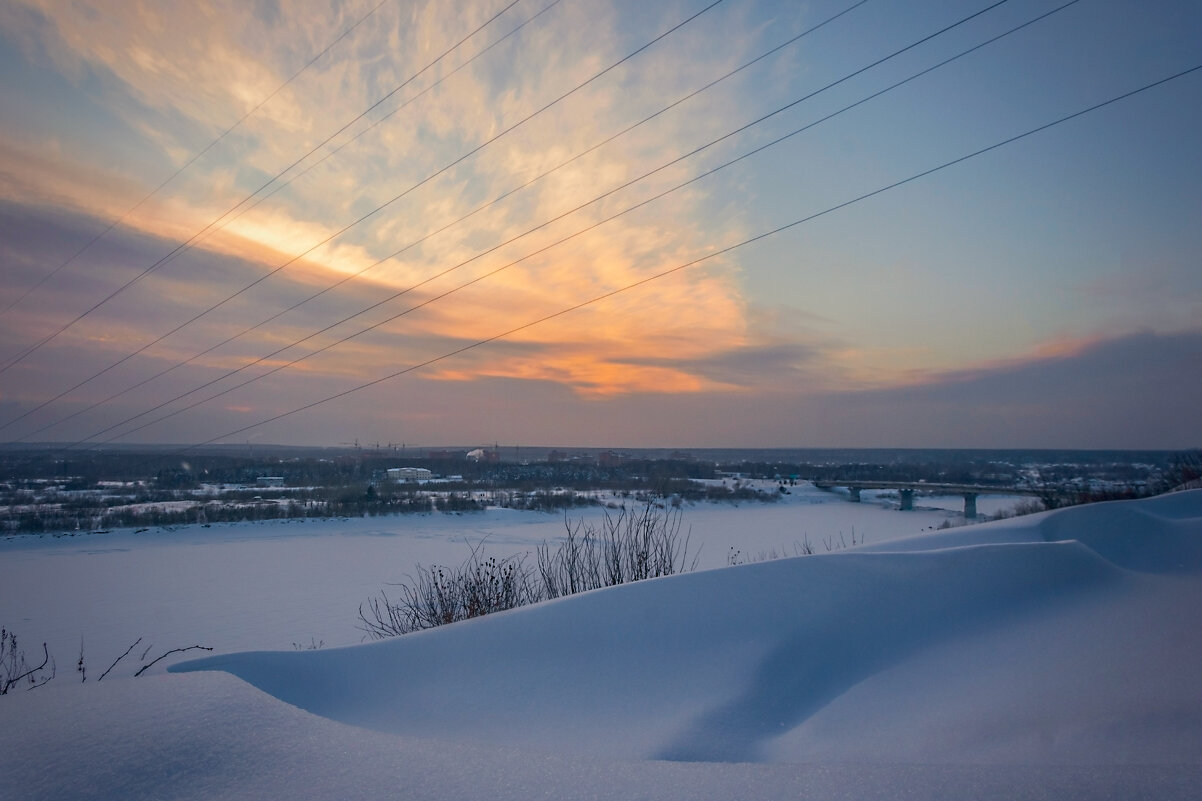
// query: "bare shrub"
[[575, 566], [736, 557], [1027, 506], [628, 546], [1185, 472], [314, 645], [15, 670], [624, 547], [439, 595], [831, 544]]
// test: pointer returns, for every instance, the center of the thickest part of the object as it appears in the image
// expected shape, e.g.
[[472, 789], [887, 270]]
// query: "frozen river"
[[268, 585]]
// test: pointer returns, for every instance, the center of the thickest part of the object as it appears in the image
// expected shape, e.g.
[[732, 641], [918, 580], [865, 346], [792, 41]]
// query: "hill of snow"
[[1052, 656]]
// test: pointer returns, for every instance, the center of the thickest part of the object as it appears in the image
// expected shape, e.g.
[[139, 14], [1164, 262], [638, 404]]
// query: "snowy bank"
[[1054, 656]]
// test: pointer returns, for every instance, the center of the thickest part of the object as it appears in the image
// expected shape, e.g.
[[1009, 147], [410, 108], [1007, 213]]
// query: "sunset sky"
[[1047, 293]]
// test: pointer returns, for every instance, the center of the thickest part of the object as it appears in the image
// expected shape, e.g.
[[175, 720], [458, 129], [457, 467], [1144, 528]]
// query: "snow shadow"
[[917, 601]]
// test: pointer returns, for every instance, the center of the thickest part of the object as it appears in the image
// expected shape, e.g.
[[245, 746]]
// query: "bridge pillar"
[[907, 499], [854, 494], [970, 506]]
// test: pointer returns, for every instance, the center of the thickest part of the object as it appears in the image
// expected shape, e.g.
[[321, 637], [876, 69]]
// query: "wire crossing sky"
[[367, 216], [1044, 294], [569, 237], [225, 220], [216, 222], [49, 275], [664, 274], [412, 244], [213, 225]]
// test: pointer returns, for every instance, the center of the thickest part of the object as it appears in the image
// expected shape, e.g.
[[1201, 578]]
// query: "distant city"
[[47, 490]]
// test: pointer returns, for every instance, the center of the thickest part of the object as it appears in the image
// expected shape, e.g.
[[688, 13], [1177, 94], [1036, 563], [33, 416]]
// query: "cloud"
[[146, 86], [195, 66], [1137, 391], [754, 367], [1125, 392], [1134, 391]]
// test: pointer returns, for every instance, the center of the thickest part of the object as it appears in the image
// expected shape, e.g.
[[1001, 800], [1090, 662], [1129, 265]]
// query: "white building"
[[409, 474]]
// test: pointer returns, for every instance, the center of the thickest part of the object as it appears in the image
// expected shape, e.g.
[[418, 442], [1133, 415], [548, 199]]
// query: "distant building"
[[401, 474], [611, 459], [270, 481]]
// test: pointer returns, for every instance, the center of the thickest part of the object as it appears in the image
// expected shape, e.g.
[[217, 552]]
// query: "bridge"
[[906, 490]]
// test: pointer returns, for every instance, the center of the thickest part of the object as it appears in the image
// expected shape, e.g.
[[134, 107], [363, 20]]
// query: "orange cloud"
[[683, 317]]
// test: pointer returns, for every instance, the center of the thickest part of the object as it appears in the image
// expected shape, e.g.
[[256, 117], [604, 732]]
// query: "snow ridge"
[[738, 665]]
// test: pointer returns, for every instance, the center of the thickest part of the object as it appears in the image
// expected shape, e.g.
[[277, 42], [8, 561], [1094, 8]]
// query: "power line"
[[513, 239], [191, 161], [154, 342], [686, 265], [548, 247], [335, 151], [184, 245], [370, 214], [407, 247]]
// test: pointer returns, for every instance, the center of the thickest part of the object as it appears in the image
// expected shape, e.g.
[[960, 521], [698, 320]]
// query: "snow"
[[270, 584], [1050, 656]]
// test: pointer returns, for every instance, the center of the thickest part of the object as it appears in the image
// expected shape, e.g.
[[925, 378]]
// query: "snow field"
[[268, 585], [1052, 656]]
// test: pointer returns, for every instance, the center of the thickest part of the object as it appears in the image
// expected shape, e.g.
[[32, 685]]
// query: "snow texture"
[[1052, 656]]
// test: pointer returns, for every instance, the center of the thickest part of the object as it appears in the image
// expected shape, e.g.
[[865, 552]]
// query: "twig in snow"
[[16, 670], [127, 650], [144, 668]]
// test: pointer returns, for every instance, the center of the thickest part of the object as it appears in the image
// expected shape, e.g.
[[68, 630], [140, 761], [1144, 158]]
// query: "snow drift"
[[1053, 656], [1066, 637]]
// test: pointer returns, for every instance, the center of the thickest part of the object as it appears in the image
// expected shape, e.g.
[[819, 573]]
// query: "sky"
[[568, 222]]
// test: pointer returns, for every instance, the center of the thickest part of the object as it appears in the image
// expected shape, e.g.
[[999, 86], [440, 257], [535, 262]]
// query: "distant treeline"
[[951, 470], [86, 469], [44, 491], [74, 510]]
